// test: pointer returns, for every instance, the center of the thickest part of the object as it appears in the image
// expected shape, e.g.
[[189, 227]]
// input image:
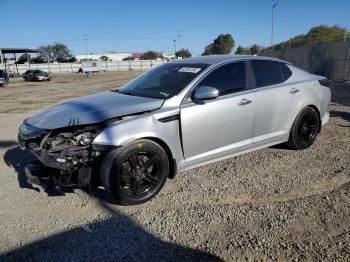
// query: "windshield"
[[164, 81]]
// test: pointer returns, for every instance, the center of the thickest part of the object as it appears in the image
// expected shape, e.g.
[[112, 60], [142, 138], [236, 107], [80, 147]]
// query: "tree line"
[[223, 44], [321, 33]]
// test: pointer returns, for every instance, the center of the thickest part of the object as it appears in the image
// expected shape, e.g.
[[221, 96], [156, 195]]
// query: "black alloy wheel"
[[305, 129], [135, 173]]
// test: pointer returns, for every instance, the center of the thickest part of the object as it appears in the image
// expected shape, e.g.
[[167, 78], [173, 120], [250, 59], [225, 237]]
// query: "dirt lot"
[[273, 204]]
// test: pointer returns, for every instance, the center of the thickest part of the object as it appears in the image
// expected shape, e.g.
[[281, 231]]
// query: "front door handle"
[[244, 102], [293, 91]]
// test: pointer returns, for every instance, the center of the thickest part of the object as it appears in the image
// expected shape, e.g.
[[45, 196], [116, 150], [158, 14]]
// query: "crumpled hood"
[[92, 109]]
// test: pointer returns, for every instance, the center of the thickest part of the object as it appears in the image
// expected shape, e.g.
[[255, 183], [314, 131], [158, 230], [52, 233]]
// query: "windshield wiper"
[[128, 93]]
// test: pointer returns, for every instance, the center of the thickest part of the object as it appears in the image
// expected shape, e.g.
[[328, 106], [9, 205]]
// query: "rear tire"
[[304, 129], [135, 173]]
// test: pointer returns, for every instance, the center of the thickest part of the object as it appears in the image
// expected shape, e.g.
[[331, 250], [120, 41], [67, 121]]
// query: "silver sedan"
[[178, 116]]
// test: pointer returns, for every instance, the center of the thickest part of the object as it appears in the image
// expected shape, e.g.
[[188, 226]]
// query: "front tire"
[[304, 129], [135, 173]]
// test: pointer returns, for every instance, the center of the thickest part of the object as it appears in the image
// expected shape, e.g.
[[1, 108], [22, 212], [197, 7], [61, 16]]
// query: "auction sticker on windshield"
[[193, 70]]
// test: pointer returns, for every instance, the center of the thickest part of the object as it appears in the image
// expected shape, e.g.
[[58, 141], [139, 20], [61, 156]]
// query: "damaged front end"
[[67, 153]]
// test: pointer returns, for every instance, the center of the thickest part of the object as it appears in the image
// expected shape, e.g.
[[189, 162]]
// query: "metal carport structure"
[[15, 51]]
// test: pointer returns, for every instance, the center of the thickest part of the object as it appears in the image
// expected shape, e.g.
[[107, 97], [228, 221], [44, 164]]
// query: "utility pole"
[[273, 23], [1, 59], [175, 46], [85, 41], [179, 39], [345, 33], [48, 61]]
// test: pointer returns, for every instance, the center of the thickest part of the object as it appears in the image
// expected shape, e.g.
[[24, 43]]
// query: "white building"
[[111, 56]]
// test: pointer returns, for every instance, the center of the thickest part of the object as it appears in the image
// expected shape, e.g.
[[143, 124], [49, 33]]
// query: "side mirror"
[[205, 93]]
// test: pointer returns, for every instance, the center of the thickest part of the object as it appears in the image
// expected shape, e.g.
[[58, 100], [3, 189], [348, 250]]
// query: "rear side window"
[[269, 72], [286, 73], [227, 78]]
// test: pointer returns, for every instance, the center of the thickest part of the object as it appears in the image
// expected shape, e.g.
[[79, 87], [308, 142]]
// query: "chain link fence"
[[330, 59], [18, 69]]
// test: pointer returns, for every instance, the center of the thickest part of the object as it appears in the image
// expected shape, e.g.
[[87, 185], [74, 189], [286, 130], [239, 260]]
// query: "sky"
[[136, 25]]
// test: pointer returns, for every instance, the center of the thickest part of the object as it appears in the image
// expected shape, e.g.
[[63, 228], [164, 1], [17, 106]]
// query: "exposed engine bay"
[[71, 147], [67, 153]]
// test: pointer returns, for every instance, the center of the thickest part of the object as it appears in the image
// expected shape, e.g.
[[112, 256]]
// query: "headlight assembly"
[[85, 138]]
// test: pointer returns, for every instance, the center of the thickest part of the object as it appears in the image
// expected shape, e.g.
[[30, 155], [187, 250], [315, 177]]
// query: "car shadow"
[[118, 238], [7, 143], [340, 92], [18, 159], [343, 115]]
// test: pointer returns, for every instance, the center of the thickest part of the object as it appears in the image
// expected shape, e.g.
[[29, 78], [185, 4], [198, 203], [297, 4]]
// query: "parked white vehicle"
[[89, 67]]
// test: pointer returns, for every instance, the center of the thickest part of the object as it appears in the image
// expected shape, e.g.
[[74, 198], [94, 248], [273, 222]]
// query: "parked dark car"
[[36, 75], [4, 78]]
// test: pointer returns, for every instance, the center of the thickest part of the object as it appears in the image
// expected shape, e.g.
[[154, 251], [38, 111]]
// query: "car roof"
[[218, 59]]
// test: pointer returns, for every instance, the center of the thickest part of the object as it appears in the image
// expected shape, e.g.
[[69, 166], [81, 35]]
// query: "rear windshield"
[[164, 81]]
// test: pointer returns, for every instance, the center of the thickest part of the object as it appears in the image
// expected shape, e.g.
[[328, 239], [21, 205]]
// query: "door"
[[212, 128], [274, 100]]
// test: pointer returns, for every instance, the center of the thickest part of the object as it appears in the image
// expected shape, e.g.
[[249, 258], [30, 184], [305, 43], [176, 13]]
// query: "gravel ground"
[[272, 204]]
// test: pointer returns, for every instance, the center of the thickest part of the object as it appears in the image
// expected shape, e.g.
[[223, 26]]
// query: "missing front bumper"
[[37, 174], [46, 177]]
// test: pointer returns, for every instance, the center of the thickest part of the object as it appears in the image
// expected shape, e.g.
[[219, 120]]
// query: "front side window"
[[227, 78], [164, 81], [267, 72]]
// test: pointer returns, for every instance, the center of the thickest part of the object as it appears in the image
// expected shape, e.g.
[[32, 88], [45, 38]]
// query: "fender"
[[312, 90], [145, 126]]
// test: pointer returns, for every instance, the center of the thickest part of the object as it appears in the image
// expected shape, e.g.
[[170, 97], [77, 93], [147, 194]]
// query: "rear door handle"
[[244, 102], [293, 91]]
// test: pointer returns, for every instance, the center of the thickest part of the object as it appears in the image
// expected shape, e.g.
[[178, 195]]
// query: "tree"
[[23, 59], [325, 33], [104, 58], [223, 44], [316, 34], [255, 49], [241, 50], [149, 55], [37, 60], [184, 53], [128, 58], [252, 50], [57, 52], [72, 59], [208, 50]]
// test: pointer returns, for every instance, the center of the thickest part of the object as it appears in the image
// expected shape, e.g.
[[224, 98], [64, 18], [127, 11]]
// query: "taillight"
[[324, 82]]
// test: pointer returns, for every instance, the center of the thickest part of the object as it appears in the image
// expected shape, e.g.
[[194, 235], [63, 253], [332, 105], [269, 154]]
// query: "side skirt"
[[237, 152]]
